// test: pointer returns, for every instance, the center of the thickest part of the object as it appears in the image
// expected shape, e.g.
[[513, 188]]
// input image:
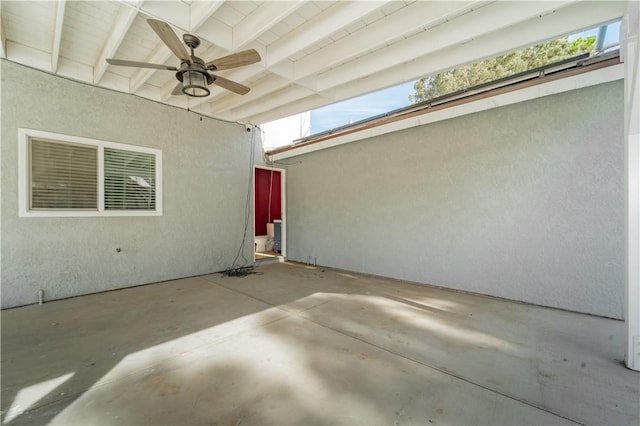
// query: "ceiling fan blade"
[[177, 90], [169, 37], [246, 57], [230, 85], [126, 63]]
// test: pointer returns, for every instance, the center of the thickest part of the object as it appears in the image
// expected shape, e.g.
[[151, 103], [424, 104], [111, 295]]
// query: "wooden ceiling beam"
[[57, 34], [123, 23]]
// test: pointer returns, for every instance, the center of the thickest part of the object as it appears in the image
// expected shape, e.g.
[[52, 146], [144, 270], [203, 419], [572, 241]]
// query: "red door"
[[268, 199]]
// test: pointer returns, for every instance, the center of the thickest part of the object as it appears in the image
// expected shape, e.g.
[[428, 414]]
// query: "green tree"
[[498, 67]]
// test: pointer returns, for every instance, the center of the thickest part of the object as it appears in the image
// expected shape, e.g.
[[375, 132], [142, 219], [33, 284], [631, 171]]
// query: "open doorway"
[[269, 213]]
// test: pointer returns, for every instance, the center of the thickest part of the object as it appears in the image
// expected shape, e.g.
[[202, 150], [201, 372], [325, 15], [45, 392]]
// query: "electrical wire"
[[241, 269], [269, 204], [84, 83]]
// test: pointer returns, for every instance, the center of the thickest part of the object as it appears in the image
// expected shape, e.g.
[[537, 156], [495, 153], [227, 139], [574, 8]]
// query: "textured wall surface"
[[523, 202], [206, 177]]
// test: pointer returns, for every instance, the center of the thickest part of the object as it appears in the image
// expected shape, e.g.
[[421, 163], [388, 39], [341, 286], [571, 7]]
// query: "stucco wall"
[[206, 174], [523, 202]]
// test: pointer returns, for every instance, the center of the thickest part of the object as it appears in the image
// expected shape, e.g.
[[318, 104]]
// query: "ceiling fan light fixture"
[[193, 73], [194, 83]]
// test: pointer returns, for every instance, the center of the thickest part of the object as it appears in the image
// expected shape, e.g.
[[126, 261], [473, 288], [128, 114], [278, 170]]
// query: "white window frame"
[[24, 170]]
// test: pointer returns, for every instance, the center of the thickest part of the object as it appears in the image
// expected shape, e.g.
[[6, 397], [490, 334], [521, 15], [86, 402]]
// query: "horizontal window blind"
[[71, 176], [129, 180], [63, 176]]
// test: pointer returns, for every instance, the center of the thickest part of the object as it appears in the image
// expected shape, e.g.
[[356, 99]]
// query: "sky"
[[345, 112], [352, 110]]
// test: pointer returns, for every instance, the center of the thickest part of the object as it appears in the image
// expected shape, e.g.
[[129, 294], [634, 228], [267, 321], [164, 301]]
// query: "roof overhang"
[[459, 104]]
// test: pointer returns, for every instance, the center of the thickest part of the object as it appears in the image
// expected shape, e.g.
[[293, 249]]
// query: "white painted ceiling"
[[313, 52]]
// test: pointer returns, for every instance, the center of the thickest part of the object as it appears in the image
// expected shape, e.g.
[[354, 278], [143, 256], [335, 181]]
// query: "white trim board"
[[283, 202], [631, 53], [592, 78]]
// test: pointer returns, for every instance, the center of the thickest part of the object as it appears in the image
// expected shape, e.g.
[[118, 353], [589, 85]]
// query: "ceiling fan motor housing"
[[197, 65]]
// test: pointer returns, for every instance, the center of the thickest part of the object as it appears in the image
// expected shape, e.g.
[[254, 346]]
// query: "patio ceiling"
[[313, 52]]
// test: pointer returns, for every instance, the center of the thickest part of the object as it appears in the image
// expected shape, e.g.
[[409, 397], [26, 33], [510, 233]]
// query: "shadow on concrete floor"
[[305, 345]]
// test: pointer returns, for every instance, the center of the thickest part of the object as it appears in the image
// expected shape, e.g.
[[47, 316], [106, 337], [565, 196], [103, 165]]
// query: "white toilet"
[[264, 243]]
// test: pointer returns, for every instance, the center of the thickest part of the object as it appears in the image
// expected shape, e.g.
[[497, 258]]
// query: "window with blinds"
[[129, 180], [63, 175]]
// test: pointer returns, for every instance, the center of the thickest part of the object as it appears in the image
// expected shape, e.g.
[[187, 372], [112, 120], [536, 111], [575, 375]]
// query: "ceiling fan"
[[193, 74]]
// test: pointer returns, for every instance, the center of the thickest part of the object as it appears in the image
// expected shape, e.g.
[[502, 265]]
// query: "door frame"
[[283, 204]]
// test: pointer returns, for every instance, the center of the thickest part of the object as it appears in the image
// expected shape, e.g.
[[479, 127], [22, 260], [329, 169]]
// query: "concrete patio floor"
[[299, 345]]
